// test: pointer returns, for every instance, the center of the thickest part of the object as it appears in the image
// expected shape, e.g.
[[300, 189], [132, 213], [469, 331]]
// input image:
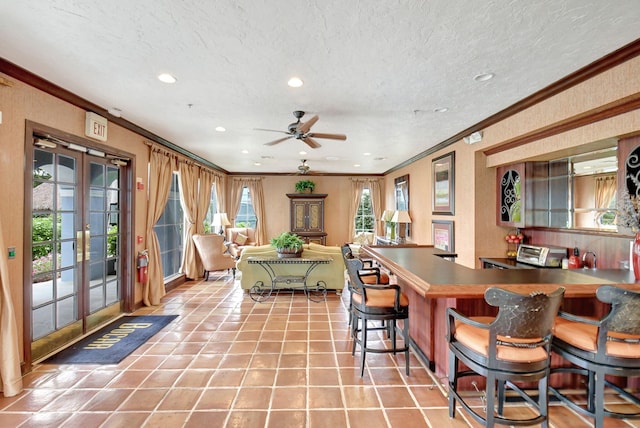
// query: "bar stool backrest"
[[624, 316], [524, 316]]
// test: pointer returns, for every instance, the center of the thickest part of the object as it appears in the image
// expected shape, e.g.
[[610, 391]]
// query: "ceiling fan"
[[303, 169], [301, 131]]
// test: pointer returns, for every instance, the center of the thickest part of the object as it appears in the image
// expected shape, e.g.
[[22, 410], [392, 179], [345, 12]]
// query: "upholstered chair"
[[213, 253]]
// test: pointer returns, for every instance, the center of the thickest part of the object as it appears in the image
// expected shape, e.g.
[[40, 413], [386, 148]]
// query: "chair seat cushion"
[[477, 339], [384, 298], [373, 279], [584, 336]]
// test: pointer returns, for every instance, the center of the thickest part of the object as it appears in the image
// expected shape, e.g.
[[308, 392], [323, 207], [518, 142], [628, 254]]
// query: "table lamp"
[[401, 217], [220, 220]]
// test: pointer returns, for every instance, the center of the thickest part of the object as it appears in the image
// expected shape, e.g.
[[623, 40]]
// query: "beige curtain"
[[10, 376], [376, 203], [357, 187], [161, 167], [207, 179], [605, 190], [257, 199], [188, 183], [221, 196]]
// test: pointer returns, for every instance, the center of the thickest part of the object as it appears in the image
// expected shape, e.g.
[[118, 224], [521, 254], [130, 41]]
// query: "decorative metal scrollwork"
[[632, 170], [510, 197]]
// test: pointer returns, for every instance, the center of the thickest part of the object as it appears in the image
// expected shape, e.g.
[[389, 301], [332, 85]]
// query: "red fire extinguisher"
[[142, 264]]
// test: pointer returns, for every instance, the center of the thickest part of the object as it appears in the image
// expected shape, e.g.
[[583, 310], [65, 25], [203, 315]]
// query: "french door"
[[76, 270]]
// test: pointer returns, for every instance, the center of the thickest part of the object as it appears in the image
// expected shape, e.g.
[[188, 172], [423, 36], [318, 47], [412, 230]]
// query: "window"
[[170, 229], [246, 216], [208, 219], [365, 220]]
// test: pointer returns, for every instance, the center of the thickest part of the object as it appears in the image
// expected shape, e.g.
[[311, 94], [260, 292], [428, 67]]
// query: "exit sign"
[[95, 126]]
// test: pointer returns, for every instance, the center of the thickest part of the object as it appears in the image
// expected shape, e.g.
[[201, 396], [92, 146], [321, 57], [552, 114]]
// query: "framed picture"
[[442, 176], [442, 232]]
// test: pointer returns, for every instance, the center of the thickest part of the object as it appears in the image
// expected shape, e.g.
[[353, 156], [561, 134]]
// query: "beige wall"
[[476, 234], [337, 188]]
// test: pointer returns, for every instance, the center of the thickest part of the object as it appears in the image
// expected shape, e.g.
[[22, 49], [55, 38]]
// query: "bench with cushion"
[[332, 273]]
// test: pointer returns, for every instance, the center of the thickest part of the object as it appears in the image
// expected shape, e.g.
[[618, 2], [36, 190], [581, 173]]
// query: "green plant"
[[287, 240], [112, 241], [303, 185]]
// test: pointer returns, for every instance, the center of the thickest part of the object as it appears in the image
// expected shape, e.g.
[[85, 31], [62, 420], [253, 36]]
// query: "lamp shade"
[[401, 217], [387, 215], [220, 219]]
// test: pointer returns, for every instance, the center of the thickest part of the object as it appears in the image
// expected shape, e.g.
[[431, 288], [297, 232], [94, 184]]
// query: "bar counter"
[[433, 283]]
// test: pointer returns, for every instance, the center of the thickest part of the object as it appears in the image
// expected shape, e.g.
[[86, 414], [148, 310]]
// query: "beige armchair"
[[212, 250], [240, 238]]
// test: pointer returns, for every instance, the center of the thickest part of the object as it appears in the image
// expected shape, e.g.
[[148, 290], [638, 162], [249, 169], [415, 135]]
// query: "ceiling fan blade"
[[311, 142], [270, 130], [279, 140], [329, 136], [305, 127]]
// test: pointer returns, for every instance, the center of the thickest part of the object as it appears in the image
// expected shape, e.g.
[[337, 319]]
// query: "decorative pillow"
[[240, 239], [224, 247], [360, 238]]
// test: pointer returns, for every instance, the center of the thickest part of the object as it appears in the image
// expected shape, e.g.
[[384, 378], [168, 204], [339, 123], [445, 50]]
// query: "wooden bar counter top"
[[433, 283]]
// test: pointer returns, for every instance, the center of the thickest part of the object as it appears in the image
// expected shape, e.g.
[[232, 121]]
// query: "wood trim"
[[601, 65], [615, 108]]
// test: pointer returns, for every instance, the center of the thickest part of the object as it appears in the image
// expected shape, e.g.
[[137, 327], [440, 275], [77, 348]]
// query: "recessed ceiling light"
[[483, 77], [379, 159], [257, 164], [366, 154], [357, 165], [332, 158], [441, 109], [245, 151], [167, 78], [302, 152], [295, 82], [266, 157], [220, 128]]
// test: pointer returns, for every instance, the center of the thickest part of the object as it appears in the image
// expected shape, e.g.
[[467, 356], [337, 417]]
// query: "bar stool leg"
[[363, 346]]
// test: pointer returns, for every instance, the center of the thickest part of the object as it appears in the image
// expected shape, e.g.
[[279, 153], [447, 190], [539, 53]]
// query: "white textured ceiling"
[[374, 70]]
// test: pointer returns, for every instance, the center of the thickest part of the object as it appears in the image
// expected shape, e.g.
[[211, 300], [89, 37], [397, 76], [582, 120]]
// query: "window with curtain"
[[170, 230], [213, 203], [246, 216], [365, 220]]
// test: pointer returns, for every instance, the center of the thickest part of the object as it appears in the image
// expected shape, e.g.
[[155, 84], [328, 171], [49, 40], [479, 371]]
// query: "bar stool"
[[376, 302], [609, 346], [515, 346], [368, 275]]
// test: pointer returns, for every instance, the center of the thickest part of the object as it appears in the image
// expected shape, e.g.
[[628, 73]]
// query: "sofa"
[[240, 238], [362, 238], [332, 273]]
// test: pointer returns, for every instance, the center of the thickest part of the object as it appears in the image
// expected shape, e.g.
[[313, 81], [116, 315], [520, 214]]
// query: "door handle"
[[83, 252]]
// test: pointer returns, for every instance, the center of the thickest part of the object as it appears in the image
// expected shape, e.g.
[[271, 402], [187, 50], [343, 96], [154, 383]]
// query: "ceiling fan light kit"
[[301, 131]]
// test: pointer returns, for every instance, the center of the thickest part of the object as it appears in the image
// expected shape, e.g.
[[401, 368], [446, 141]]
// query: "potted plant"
[[287, 244], [303, 186]]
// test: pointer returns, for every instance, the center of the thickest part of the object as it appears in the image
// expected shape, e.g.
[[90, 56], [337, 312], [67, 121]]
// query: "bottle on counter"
[[574, 260]]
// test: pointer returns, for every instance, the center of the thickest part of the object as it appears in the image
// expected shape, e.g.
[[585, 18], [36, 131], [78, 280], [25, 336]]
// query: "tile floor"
[[230, 362]]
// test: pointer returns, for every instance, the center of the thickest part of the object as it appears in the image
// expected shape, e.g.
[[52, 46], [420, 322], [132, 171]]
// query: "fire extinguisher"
[[142, 264]]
